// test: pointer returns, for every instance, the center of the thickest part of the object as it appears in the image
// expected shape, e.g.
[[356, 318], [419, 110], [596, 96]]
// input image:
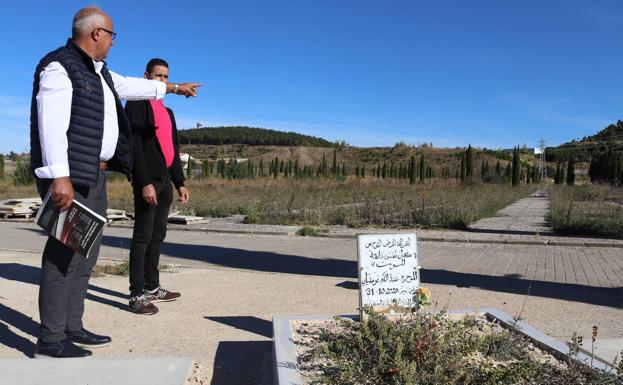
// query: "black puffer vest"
[[86, 125]]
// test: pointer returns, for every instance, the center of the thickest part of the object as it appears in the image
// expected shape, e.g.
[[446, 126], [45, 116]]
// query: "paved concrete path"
[[526, 216], [234, 283]]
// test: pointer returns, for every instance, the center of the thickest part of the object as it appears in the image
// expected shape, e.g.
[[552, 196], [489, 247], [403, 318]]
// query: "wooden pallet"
[[113, 215], [19, 208]]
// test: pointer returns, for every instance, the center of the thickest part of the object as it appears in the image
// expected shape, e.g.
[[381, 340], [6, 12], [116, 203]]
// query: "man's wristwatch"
[[175, 88]]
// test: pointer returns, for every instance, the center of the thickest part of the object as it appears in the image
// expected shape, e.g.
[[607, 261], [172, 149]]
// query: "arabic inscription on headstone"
[[388, 270]]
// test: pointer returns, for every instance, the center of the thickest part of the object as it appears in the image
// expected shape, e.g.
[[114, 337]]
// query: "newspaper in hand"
[[77, 227]]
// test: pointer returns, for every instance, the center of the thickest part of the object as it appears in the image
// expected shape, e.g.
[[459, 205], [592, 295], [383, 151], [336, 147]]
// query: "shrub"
[[586, 210], [432, 349], [22, 175]]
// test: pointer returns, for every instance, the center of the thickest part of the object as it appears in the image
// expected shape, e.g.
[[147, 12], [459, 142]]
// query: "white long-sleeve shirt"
[[54, 112]]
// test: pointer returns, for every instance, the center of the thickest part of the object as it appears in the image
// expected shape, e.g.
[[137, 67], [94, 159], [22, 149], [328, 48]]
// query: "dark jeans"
[[150, 228], [65, 274]]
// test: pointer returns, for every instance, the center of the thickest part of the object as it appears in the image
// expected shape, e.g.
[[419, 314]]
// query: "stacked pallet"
[[116, 215], [19, 208]]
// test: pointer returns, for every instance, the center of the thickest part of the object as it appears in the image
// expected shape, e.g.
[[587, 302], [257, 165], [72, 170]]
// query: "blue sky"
[[372, 73]]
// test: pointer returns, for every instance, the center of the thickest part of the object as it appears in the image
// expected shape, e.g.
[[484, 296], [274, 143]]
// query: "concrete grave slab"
[[96, 371]]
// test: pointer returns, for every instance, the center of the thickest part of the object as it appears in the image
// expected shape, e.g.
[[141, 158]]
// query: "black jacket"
[[149, 160], [86, 125]]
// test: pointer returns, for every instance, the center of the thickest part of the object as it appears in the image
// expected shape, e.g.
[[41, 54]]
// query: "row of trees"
[[565, 174], [607, 168], [417, 169]]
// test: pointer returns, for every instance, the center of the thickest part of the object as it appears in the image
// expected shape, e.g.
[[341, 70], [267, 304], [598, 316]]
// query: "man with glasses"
[[78, 130]]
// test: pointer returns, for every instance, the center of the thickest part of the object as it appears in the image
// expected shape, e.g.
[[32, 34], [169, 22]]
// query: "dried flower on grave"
[[423, 297]]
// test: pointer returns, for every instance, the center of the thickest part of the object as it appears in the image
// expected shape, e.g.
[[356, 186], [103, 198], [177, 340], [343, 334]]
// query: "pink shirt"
[[164, 130]]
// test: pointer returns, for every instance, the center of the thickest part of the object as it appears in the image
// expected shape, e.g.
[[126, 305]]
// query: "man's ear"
[[95, 34], [146, 75]]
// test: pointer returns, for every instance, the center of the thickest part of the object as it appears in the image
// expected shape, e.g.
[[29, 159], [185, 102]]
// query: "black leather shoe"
[[60, 349], [86, 339]]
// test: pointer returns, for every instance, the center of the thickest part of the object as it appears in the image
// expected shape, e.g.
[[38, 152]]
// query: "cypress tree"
[[334, 169], [357, 171], [204, 168], [250, 173], [422, 168], [412, 170], [1, 166], [516, 168], [469, 162], [498, 168], [260, 168], [509, 172], [363, 170], [616, 170], [528, 174], [344, 170], [189, 169], [276, 168], [557, 175], [570, 171], [384, 171]]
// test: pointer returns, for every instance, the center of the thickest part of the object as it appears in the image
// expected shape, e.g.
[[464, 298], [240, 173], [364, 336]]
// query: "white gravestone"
[[388, 271]]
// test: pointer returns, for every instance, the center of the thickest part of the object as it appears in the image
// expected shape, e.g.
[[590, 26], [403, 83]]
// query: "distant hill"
[[613, 132], [610, 139], [252, 136]]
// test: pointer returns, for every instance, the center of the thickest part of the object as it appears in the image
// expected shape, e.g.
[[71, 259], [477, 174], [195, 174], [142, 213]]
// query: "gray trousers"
[[65, 274]]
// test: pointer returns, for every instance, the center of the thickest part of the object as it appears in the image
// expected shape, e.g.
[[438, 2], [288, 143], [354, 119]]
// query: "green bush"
[[22, 175]]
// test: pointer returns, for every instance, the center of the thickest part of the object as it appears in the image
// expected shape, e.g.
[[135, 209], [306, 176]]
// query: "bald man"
[[79, 130]]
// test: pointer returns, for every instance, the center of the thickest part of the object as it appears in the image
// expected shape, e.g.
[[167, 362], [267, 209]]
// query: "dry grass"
[[10, 191], [324, 202], [586, 210], [353, 202]]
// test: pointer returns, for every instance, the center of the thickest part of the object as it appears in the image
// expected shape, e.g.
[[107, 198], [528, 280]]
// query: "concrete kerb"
[[286, 367], [545, 242], [97, 371]]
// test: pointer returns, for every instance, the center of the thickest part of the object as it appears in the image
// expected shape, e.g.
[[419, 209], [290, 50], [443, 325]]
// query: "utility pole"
[[542, 166]]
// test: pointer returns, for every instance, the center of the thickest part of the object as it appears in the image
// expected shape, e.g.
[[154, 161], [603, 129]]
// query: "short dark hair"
[[155, 62]]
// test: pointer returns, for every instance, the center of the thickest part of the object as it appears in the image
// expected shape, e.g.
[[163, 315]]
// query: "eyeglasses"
[[111, 33]]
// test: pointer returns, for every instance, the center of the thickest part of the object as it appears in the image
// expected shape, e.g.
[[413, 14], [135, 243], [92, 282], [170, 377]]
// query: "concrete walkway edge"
[[97, 371]]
